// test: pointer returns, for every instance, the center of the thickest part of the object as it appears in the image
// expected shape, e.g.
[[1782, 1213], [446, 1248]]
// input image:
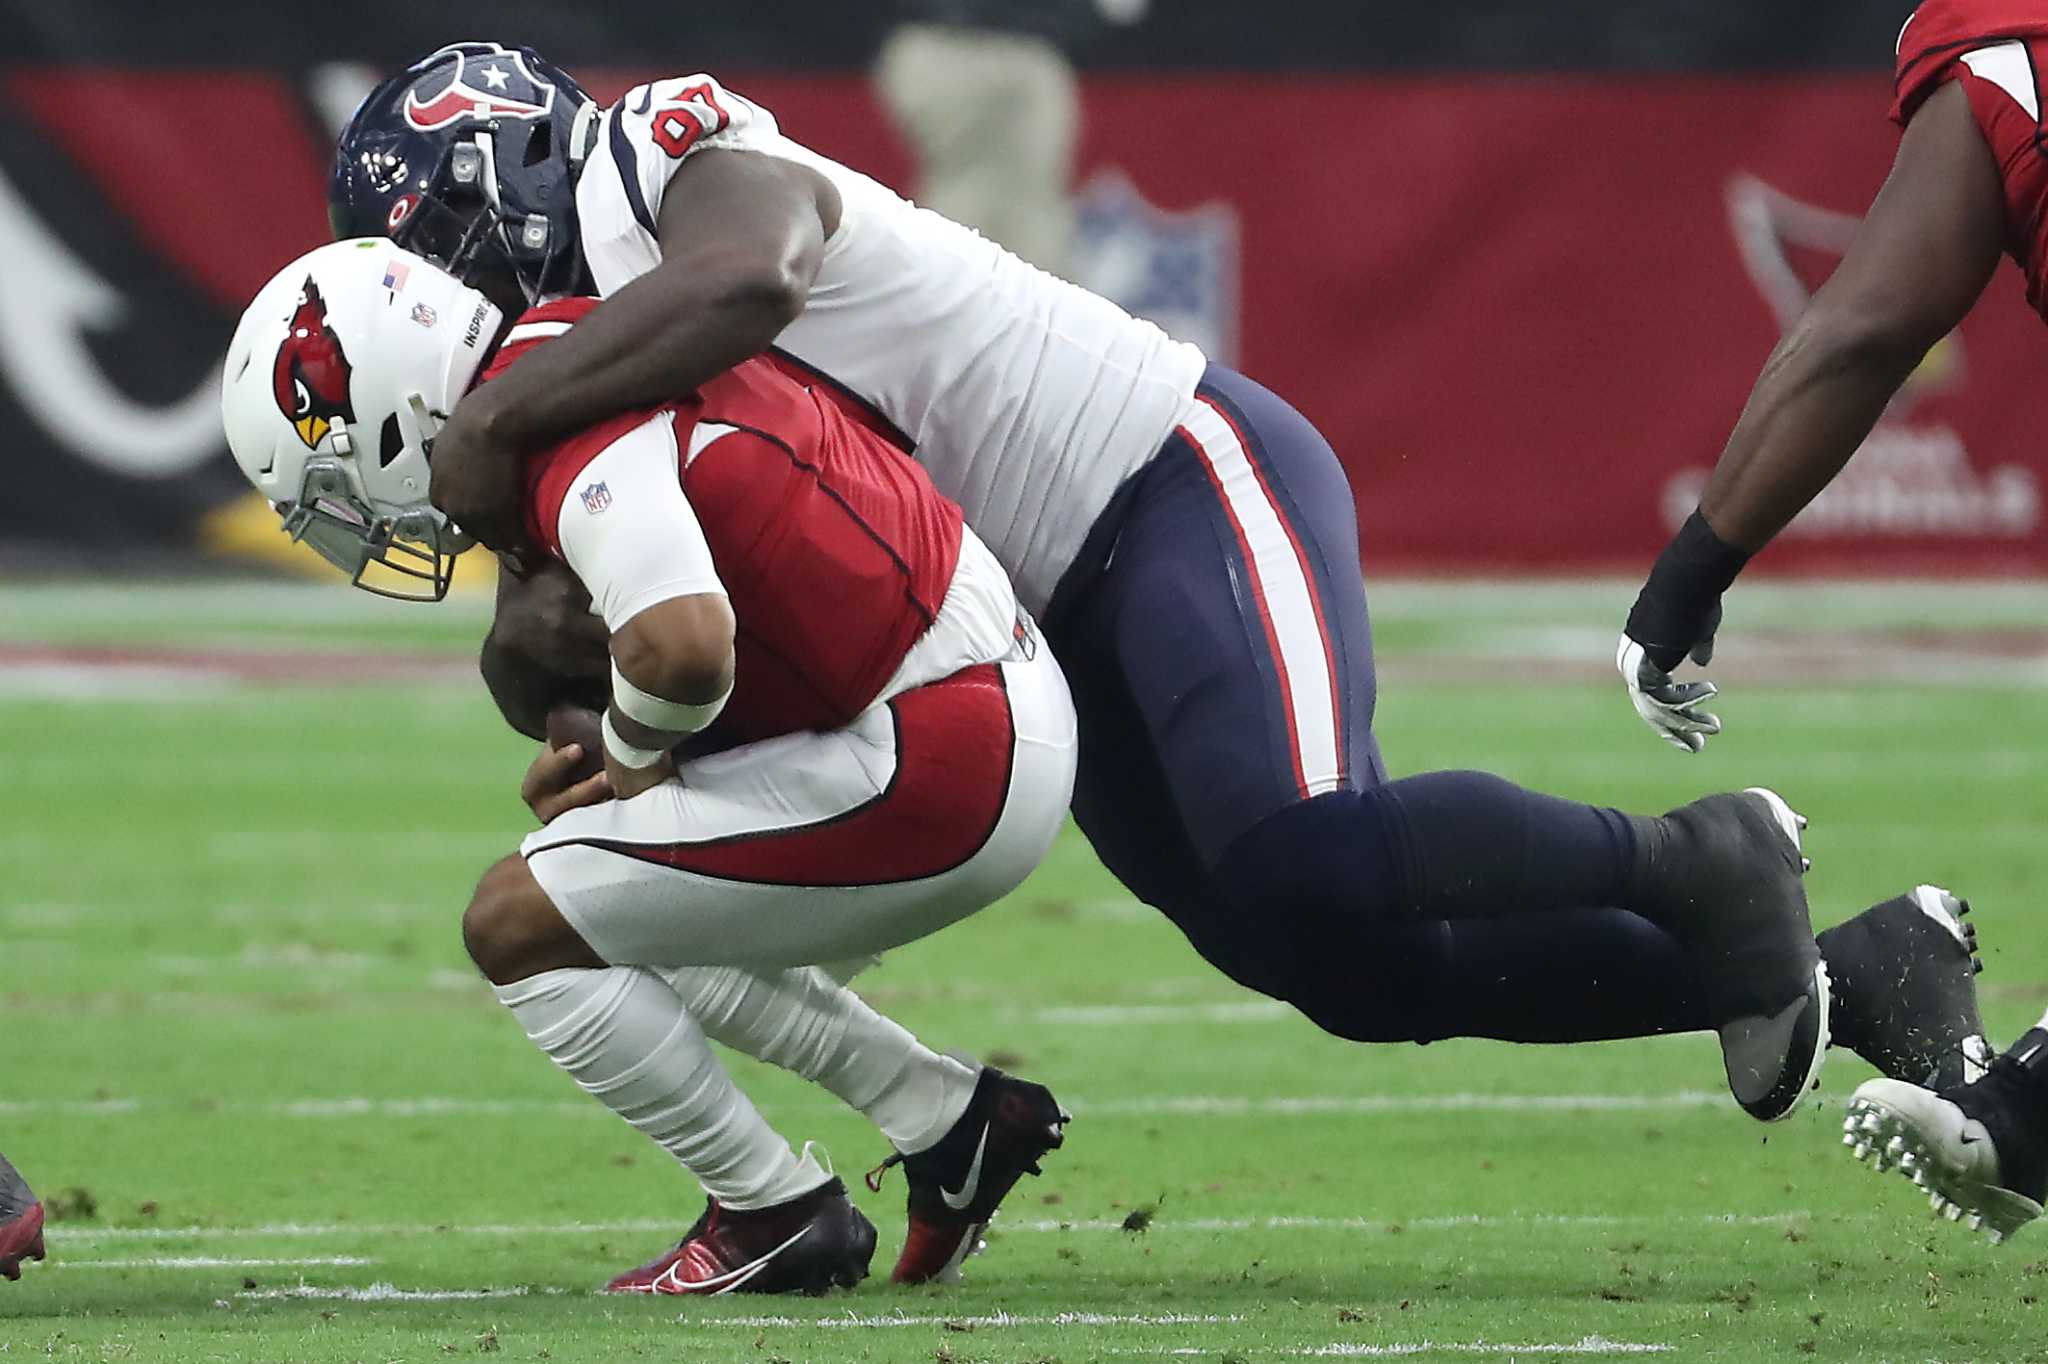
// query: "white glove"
[[1670, 708]]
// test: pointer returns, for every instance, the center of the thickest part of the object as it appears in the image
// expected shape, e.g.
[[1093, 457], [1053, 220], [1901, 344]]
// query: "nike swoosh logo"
[[671, 1282], [958, 1202]]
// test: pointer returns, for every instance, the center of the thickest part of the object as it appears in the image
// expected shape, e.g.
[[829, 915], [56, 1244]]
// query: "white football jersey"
[[1029, 399]]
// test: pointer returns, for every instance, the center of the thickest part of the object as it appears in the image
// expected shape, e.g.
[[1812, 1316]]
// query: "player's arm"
[[544, 647], [742, 234], [1916, 267], [643, 556]]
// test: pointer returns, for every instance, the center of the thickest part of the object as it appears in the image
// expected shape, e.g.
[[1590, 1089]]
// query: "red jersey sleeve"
[[1941, 31], [1996, 51]]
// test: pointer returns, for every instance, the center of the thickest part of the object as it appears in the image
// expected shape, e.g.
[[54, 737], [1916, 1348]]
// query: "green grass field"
[[245, 1059]]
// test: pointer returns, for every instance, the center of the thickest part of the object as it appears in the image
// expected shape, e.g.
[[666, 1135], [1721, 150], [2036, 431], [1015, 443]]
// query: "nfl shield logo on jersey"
[[1176, 269], [596, 498]]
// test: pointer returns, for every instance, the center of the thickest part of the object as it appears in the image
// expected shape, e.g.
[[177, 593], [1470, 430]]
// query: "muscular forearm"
[[1819, 396], [655, 341]]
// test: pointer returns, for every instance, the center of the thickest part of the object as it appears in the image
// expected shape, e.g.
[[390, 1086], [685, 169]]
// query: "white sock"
[[806, 1022], [623, 1035]]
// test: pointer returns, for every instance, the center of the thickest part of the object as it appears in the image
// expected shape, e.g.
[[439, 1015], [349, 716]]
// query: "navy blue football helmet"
[[469, 157]]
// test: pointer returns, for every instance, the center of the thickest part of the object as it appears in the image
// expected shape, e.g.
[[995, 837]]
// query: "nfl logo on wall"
[[1176, 269], [596, 498]]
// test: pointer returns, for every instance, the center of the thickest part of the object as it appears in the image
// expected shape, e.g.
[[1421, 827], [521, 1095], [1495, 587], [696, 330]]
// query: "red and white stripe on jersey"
[[909, 790], [1284, 590]]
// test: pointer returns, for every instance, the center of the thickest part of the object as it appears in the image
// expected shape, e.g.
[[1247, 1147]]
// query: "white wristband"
[[627, 755], [658, 712]]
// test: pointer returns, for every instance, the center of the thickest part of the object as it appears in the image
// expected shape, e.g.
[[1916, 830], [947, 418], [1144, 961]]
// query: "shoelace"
[[873, 1178]]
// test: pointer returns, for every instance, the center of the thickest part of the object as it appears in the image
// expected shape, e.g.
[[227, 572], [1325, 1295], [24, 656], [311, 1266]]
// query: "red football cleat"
[[956, 1184], [21, 1222], [807, 1245]]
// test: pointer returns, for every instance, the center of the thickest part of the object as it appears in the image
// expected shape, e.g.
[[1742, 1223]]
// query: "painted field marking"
[[1451, 1222], [217, 1262], [998, 1320], [1139, 1015], [64, 1235], [1167, 1105], [1345, 1349], [384, 1292]]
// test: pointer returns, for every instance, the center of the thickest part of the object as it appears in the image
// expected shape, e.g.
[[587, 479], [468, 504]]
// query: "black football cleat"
[[810, 1244], [1904, 974], [1723, 877], [1980, 1151], [21, 1222], [957, 1183]]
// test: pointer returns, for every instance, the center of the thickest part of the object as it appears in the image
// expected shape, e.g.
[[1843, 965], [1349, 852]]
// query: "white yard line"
[[384, 1292], [1345, 1349], [1585, 1345], [998, 1321], [1450, 1222], [1128, 1015], [217, 1262], [1164, 1224], [1229, 1105], [1166, 1105], [64, 1234]]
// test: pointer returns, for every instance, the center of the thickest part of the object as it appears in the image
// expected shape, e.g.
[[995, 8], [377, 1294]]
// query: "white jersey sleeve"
[[1029, 399], [644, 138], [628, 532]]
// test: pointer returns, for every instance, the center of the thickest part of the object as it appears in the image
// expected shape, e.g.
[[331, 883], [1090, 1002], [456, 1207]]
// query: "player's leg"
[[777, 1222], [833, 846], [826, 846], [933, 1109], [21, 1222], [802, 1020], [1367, 978], [1236, 613]]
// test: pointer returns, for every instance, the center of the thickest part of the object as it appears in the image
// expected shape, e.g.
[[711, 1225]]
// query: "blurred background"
[[1520, 262]]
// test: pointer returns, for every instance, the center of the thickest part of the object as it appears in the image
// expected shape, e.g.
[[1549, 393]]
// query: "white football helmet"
[[338, 377]]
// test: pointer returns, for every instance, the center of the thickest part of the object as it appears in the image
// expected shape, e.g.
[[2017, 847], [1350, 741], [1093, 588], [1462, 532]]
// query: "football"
[[568, 724]]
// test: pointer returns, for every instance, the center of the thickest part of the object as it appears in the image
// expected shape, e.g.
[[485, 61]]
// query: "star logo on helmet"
[[505, 89]]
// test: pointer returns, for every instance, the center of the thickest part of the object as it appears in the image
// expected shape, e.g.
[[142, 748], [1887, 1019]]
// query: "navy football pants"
[[1215, 636]]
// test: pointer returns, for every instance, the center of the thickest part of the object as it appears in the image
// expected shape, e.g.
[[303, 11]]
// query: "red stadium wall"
[[1520, 307]]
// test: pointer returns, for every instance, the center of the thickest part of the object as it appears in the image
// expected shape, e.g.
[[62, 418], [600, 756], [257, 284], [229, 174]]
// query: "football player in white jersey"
[[1190, 544]]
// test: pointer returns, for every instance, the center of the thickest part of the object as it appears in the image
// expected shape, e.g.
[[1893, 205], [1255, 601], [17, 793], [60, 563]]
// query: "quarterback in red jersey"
[[1970, 183], [877, 745]]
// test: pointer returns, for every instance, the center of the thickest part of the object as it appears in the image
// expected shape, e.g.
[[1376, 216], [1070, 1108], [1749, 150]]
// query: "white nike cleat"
[[957, 1182], [1979, 1151]]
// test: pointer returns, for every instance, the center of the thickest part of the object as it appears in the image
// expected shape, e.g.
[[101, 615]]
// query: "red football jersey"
[[834, 547], [1996, 49]]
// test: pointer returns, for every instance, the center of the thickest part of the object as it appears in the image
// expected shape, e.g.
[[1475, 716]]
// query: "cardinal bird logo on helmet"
[[311, 376]]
